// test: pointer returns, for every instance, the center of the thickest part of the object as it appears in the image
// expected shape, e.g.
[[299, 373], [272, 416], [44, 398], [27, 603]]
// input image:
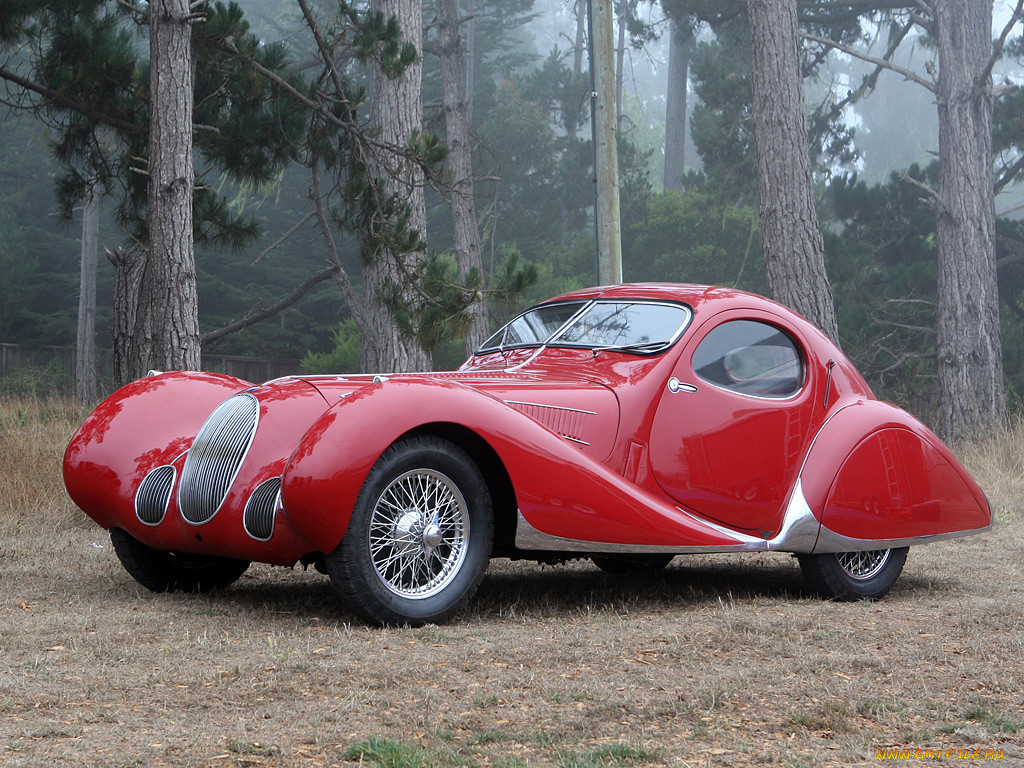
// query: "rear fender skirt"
[[876, 477], [560, 491]]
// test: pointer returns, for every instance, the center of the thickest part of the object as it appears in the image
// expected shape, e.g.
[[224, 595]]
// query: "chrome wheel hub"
[[863, 565], [419, 533]]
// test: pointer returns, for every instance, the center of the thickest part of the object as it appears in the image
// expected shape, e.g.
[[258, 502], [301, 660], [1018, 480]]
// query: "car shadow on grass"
[[530, 590]]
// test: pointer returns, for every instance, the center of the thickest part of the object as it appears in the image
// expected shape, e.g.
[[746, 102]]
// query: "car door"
[[734, 421]]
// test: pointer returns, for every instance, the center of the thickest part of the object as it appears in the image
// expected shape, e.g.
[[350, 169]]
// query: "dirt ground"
[[718, 661]]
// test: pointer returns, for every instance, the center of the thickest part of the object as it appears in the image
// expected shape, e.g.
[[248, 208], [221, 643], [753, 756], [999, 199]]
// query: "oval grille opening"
[[260, 510], [214, 458], [154, 495]]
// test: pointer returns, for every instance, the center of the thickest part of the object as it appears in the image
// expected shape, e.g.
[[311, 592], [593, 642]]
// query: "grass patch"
[[608, 755], [388, 753], [993, 720]]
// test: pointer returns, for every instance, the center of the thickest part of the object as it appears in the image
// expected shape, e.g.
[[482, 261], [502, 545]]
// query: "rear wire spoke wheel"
[[420, 535], [161, 571], [849, 576]]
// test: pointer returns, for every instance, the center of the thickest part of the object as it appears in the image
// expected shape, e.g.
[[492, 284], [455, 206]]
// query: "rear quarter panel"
[[875, 472]]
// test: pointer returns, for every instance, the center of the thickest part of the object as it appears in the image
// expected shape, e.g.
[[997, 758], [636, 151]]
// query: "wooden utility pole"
[[606, 150]]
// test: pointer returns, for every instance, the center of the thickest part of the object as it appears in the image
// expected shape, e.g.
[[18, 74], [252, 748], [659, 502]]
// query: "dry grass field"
[[718, 661]]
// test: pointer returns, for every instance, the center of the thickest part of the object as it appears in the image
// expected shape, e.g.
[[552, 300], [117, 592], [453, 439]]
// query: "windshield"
[[626, 326]]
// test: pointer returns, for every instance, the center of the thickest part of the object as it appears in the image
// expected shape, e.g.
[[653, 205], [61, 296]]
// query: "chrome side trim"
[[830, 541], [799, 531], [566, 422], [574, 440], [555, 407], [529, 538]]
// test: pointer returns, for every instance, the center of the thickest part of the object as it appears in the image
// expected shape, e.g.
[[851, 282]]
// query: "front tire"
[[420, 536], [851, 576], [160, 571]]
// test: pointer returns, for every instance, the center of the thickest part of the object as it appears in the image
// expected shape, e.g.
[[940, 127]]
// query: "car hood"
[[582, 411]]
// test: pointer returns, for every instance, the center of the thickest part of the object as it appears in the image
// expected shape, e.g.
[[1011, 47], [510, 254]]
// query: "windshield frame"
[[553, 339]]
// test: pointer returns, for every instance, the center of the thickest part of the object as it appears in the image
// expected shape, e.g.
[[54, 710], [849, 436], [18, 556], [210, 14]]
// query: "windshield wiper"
[[642, 346]]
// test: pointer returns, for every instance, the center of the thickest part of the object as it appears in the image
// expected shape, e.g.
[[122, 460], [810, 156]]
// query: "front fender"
[[875, 472], [144, 424], [559, 490]]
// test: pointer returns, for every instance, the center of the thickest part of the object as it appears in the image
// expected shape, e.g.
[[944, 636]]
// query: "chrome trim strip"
[[574, 440], [529, 538], [830, 541], [755, 542], [799, 531], [557, 407]]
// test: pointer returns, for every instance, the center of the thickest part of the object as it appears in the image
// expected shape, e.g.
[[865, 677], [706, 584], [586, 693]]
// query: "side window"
[[751, 358]]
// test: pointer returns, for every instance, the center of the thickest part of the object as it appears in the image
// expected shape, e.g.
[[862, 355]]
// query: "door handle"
[[675, 386]]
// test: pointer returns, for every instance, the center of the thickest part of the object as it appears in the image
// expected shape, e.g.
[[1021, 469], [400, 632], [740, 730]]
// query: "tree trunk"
[[972, 401], [85, 346], [129, 263], [460, 163], [396, 108], [470, 60], [793, 245], [620, 65], [157, 291], [582, 8], [679, 46]]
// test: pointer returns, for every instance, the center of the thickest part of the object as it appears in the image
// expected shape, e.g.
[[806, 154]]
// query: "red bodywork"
[[584, 450]]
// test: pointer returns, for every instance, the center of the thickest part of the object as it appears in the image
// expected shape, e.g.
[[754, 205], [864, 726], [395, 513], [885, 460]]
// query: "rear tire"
[[851, 576], [420, 536], [161, 571]]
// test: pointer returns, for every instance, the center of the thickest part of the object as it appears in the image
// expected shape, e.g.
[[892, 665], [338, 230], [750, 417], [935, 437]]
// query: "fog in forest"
[[532, 161]]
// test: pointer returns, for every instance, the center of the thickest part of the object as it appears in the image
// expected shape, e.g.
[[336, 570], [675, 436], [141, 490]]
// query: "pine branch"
[[1009, 174], [256, 314], [282, 238], [907, 74], [67, 103], [341, 277], [937, 201], [997, 51]]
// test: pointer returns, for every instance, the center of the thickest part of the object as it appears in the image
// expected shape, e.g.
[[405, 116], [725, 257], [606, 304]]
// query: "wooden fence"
[[45, 370]]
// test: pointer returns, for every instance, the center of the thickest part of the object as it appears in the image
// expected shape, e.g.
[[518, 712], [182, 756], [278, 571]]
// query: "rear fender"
[[560, 491], [896, 482]]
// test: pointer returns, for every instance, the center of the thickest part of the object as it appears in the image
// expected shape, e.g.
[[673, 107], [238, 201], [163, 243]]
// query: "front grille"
[[258, 519], [154, 495], [214, 458]]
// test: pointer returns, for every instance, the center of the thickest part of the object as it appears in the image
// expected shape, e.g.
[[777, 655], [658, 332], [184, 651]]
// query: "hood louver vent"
[[214, 458]]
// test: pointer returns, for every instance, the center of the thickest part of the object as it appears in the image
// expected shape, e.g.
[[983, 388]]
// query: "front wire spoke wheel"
[[421, 517], [419, 537]]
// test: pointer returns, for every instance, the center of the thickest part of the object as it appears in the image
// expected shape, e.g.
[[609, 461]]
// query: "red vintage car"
[[627, 424]]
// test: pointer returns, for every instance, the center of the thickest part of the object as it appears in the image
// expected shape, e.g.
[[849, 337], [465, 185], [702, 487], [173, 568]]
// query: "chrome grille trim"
[[215, 457], [261, 509], [154, 495]]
